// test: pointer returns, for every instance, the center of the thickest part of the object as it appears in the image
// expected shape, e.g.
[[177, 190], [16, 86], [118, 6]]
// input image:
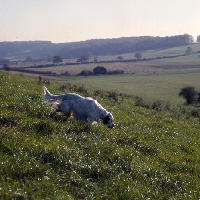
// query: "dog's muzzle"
[[108, 121], [111, 125]]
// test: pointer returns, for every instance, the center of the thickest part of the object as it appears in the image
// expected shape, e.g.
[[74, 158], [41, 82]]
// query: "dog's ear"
[[106, 119]]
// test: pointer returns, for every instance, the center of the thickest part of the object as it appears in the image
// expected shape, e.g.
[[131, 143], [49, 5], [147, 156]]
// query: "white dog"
[[84, 109]]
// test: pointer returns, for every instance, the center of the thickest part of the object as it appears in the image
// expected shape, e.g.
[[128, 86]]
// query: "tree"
[[189, 94], [29, 59], [57, 59], [189, 38], [138, 55], [83, 59], [86, 73], [95, 59], [99, 70], [120, 57], [4, 61], [6, 67], [188, 51], [198, 38], [49, 58]]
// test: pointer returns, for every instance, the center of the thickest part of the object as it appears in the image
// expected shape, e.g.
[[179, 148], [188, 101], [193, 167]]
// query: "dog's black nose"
[[112, 126]]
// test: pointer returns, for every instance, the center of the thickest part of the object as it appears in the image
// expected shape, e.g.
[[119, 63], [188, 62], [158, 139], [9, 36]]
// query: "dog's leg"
[[69, 114]]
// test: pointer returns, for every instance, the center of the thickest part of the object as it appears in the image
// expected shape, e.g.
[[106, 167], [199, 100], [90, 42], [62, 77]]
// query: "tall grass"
[[150, 154]]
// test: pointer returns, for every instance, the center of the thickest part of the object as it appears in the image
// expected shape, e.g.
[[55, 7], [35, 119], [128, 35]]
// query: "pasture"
[[154, 53], [154, 86]]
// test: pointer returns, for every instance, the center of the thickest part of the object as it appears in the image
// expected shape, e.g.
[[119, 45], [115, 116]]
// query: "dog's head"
[[108, 120]]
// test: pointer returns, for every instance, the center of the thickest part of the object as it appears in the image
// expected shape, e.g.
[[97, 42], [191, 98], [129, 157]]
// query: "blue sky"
[[79, 20]]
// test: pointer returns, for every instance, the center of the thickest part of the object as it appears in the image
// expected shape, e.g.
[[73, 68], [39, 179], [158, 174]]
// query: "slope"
[[150, 154]]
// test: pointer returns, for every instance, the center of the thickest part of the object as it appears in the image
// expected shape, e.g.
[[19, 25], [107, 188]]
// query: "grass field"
[[156, 86], [150, 154], [155, 53]]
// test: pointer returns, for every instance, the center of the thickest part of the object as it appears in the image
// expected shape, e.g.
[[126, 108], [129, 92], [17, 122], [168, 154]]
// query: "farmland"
[[151, 79]]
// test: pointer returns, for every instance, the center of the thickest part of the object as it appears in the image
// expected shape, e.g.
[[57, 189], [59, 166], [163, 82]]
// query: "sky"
[[62, 21]]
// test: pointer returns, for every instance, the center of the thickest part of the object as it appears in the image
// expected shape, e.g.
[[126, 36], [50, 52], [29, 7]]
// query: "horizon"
[[96, 39], [74, 21]]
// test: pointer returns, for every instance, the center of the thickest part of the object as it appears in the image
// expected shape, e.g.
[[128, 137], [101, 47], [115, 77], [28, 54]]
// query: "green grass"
[[163, 86], [148, 155], [180, 50]]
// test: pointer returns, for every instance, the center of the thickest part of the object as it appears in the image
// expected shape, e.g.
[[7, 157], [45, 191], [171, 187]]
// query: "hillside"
[[95, 47], [152, 153]]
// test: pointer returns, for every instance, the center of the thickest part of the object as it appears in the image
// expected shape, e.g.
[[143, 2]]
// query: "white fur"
[[81, 108]]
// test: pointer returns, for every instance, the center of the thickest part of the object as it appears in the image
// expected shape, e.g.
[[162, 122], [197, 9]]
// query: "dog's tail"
[[48, 97]]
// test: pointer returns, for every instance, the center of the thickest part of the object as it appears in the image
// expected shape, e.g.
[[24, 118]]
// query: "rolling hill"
[[152, 153], [95, 47]]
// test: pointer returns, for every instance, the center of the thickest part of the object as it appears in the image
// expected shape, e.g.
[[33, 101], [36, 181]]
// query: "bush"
[[66, 73], [81, 89], [99, 70], [116, 72], [113, 95], [120, 58], [99, 93], [189, 94], [157, 105], [140, 102], [6, 67], [85, 73]]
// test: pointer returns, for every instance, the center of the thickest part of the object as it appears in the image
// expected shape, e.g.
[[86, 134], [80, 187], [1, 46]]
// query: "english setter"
[[83, 109]]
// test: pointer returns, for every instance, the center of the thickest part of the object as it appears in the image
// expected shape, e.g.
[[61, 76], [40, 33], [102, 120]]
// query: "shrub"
[[189, 94], [140, 102], [64, 87], [120, 57], [6, 67], [195, 113], [99, 70], [116, 72], [85, 73], [67, 73], [99, 93], [113, 95], [82, 89], [157, 105]]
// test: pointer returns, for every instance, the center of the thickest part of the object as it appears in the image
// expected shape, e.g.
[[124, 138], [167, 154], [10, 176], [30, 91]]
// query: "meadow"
[[163, 86], [152, 153]]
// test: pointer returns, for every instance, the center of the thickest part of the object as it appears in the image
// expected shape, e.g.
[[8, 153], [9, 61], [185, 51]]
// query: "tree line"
[[95, 47]]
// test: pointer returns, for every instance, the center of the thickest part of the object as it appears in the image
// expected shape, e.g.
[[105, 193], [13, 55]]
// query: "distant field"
[[152, 79], [164, 85], [182, 62], [154, 53], [159, 86], [179, 63]]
